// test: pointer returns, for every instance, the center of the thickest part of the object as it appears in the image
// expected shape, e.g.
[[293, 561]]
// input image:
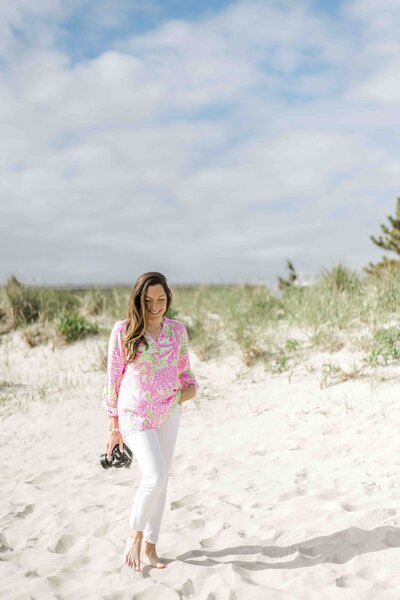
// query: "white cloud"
[[214, 148]]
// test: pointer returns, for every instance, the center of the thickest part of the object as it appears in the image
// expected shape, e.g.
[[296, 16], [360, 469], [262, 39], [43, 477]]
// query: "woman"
[[148, 378]]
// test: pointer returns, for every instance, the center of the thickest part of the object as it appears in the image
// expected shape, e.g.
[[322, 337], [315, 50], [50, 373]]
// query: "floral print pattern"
[[143, 393]]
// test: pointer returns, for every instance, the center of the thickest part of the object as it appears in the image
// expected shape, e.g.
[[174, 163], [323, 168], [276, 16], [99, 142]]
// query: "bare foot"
[[150, 552], [132, 552]]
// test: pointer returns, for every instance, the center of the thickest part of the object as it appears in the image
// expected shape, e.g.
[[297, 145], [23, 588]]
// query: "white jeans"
[[153, 450]]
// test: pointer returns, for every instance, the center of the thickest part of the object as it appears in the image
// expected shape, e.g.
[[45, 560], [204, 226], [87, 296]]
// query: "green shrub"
[[73, 326], [292, 345], [387, 347], [384, 267]]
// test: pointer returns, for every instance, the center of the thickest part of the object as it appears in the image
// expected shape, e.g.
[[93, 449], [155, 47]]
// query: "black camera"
[[118, 459]]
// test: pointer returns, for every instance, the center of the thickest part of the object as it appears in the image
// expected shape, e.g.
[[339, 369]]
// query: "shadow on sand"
[[337, 548]]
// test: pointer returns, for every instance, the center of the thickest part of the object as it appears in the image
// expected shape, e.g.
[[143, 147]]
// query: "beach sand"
[[279, 490]]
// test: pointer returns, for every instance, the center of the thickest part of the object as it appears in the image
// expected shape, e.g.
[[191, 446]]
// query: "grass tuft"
[[74, 327], [386, 347], [332, 374]]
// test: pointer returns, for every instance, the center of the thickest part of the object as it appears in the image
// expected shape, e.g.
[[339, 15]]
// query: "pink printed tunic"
[[143, 393]]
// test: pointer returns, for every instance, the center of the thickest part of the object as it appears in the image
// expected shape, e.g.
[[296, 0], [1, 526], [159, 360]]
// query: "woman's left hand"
[[187, 394]]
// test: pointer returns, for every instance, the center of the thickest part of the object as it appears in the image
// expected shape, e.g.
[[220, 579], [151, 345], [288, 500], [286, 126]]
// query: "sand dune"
[[279, 490]]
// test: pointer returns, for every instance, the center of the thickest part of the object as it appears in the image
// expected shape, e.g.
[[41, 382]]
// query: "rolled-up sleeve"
[[186, 375], [116, 366]]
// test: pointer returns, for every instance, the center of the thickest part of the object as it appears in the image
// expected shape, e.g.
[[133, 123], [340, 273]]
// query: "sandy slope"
[[278, 490]]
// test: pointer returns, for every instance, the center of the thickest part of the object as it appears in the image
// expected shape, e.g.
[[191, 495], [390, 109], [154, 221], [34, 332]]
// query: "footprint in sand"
[[351, 507], [101, 531], [370, 487], [259, 452], [43, 477], [30, 573], [251, 487], [25, 511], [301, 476], [191, 468], [211, 473], [64, 543], [197, 523], [347, 581], [210, 541], [187, 500], [187, 589], [4, 545], [54, 581], [223, 500], [329, 495], [290, 495]]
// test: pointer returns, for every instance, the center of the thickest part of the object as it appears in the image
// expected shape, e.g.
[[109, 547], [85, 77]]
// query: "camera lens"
[[118, 459], [105, 463]]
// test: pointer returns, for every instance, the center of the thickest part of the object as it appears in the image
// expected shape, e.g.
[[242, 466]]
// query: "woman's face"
[[156, 303]]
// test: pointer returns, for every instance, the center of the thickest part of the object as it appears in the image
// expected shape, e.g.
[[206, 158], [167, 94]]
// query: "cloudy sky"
[[206, 139]]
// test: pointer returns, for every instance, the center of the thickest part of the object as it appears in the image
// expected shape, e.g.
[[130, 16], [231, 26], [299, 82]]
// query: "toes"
[[132, 560], [128, 560]]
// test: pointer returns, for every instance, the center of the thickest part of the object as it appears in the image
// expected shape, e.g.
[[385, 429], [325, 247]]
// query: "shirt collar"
[[163, 323]]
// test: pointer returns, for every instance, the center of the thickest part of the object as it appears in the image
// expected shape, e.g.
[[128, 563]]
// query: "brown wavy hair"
[[137, 316]]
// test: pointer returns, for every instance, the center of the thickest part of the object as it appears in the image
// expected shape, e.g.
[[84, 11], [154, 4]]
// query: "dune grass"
[[341, 310]]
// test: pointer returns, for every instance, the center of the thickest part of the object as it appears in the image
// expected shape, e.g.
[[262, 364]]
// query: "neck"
[[155, 324]]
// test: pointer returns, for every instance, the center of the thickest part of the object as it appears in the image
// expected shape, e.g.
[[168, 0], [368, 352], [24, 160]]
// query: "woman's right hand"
[[114, 439]]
